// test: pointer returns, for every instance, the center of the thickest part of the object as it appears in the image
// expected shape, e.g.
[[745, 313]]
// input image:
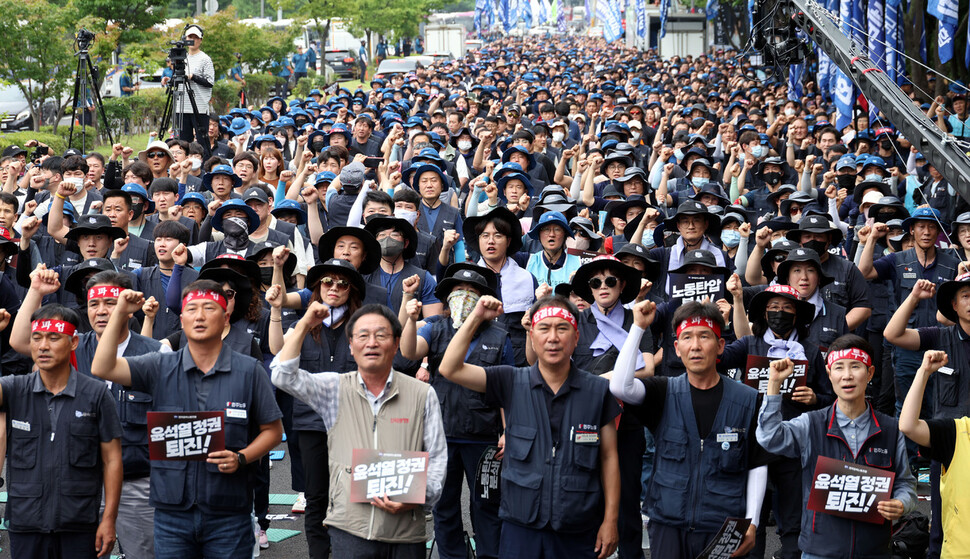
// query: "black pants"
[[195, 128], [936, 512], [261, 491], [630, 446], [349, 546], [785, 498], [316, 469], [285, 402], [59, 545]]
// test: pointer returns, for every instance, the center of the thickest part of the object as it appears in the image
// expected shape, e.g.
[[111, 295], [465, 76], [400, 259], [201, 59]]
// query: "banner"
[[711, 9], [505, 15], [727, 540], [608, 15], [526, 7], [185, 435], [585, 256], [850, 490], [842, 91], [641, 9], [488, 476], [664, 7], [684, 288], [401, 476], [756, 375], [892, 45], [795, 72], [544, 9], [877, 37], [560, 16]]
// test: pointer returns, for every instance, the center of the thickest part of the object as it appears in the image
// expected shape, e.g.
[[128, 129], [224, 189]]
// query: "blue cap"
[[290, 206], [139, 190], [267, 138], [239, 125], [197, 197], [235, 204], [550, 218], [845, 162], [220, 170], [922, 214], [324, 176]]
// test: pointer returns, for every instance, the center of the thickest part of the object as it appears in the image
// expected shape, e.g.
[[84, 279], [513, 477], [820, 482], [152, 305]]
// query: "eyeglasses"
[[230, 293], [492, 236], [780, 258], [156, 155], [340, 283], [381, 336], [610, 281]]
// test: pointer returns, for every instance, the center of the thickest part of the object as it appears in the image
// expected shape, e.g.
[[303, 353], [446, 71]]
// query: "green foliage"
[[401, 17], [313, 80], [225, 95], [125, 15], [57, 143], [142, 110], [258, 87], [64, 132], [36, 50]]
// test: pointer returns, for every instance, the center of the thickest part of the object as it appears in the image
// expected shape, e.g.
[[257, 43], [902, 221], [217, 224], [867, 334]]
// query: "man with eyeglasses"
[[375, 408]]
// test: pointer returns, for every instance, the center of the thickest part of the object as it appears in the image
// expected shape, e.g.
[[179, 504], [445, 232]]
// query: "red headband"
[[58, 327], [102, 291], [699, 321], [558, 312], [851, 353], [783, 289], [207, 294]]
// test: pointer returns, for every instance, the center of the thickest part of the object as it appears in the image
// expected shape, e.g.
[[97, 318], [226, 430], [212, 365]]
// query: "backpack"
[[911, 536]]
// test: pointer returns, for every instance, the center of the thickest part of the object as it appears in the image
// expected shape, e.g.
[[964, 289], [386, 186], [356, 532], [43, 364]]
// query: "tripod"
[[85, 71], [178, 89]]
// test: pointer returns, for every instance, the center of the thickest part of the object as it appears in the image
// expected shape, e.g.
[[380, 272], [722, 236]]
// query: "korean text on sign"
[[686, 288], [184, 435], [756, 375], [850, 490], [400, 476]]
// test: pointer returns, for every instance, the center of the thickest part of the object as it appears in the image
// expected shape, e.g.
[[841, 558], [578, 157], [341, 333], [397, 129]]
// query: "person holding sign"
[[851, 431], [370, 410], [696, 226], [560, 473], [948, 443], [64, 443], [134, 523], [200, 506], [780, 330], [707, 467]]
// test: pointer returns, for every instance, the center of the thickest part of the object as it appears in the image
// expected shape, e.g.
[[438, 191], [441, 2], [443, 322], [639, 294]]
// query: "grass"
[[137, 142]]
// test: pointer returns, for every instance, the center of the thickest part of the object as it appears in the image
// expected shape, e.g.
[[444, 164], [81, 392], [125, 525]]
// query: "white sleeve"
[[623, 384]]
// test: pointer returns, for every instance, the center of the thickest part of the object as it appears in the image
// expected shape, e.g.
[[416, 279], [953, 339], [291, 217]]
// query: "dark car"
[[343, 62], [393, 66]]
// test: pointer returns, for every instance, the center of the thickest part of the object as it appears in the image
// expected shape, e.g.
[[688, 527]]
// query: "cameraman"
[[200, 74]]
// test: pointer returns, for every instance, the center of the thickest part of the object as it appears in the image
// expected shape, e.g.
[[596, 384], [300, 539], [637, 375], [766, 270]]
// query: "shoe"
[[299, 507], [262, 539]]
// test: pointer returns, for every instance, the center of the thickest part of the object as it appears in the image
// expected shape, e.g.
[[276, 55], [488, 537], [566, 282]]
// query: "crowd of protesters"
[[500, 250]]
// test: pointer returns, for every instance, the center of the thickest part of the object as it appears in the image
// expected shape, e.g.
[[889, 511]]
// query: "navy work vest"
[[697, 483], [909, 271], [547, 487], [833, 536], [331, 354]]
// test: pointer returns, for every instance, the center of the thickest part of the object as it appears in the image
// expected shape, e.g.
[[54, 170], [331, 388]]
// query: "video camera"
[[178, 55], [83, 39]]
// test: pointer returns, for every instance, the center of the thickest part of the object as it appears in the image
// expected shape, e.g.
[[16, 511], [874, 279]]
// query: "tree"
[[320, 13], [36, 53], [400, 17], [127, 15]]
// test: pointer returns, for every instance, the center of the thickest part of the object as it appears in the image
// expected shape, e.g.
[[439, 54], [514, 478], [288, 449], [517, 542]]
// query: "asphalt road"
[[295, 547]]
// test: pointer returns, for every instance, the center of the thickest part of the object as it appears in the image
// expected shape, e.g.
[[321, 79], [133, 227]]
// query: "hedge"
[[57, 143]]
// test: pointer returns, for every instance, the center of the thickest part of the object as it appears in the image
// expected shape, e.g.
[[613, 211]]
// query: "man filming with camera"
[[200, 75]]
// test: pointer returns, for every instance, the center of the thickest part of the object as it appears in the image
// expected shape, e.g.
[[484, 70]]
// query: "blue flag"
[[587, 14], [664, 6], [712, 8], [858, 23], [641, 9], [526, 12], [560, 16], [892, 43], [505, 15], [795, 91], [608, 14], [877, 49], [946, 12]]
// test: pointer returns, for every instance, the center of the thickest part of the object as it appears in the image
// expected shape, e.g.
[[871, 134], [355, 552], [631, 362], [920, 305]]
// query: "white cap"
[[193, 30]]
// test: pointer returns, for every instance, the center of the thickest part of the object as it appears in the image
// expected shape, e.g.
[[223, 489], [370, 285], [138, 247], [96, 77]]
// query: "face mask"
[[886, 145], [817, 246], [391, 248], [700, 182], [648, 241], [78, 182], [772, 178], [578, 242], [634, 136], [461, 303], [196, 163], [874, 177], [138, 210], [557, 137], [731, 238], [412, 132], [679, 154], [758, 152], [266, 275], [846, 181], [317, 147], [789, 112], [780, 322], [407, 215], [237, 234], [464, 145]]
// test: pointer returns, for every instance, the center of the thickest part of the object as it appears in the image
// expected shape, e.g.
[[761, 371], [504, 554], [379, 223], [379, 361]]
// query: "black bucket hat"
[[652, 271], [804, 311], [258, 250], [481, 277], [693, 207], [816, 224], [78, 277], [372, 249], [248, 268], [378, 224], [781, 248], [90, 224], [336, 265], [945, 294], [700, 257], [500, 213], [801, 254], [631, 277]]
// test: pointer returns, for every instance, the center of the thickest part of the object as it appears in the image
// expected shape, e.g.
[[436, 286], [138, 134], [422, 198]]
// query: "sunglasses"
[[340, 283], [156, 155], [610, 281], [230, 293]]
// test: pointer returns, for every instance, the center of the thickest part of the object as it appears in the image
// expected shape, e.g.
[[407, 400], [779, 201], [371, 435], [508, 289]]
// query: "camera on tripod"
[[83, 39], [178, 55]]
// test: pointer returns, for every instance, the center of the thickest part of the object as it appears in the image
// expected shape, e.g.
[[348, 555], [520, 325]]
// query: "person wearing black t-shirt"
[[692, 492], [948, 442]]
